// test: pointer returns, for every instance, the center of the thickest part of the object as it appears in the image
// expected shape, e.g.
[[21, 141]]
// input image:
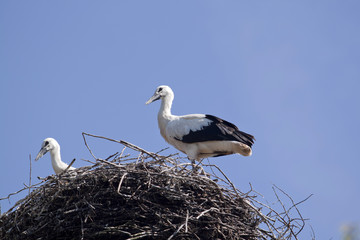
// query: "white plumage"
[[52, 146], [199, 135]]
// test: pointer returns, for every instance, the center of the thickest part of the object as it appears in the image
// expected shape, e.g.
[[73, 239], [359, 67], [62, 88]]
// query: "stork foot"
[[197, 169]]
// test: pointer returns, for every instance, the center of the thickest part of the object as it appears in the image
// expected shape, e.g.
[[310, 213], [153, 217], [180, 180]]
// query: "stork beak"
[[41, 153], [153, 98]]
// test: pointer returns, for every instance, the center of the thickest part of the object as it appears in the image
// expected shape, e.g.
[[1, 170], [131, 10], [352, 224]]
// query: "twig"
[[110, 163], [85, 160], [206, 211], [67, 168], [121, 181], [162, 150], [87, 146], [122, 151], [82, 227], [140, 155], [129, 145], [181, 226], [186, 220], [30, 175], [313, 237], [19, 191], [112, 156]]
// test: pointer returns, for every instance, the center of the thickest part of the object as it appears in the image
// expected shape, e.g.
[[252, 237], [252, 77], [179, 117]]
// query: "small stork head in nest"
[[52, 146], [49, 144]]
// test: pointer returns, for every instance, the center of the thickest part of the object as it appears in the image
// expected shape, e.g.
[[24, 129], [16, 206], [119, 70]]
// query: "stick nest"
[[148, 197]]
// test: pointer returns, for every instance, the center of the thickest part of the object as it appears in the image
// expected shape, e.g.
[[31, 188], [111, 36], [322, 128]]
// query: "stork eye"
[[46, 143], [160, 89]]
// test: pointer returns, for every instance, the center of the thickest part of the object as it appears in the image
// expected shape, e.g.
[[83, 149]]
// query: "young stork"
[[199, 135], [50, 144]]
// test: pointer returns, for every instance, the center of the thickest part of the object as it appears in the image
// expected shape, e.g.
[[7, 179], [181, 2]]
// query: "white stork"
[[50, 144], [199, 135]]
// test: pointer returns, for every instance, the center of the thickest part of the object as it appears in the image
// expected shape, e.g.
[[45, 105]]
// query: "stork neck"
[[165, 109], [55, 157]]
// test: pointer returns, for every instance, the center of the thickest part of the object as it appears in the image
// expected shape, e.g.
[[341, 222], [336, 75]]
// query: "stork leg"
[[202, 171], [196, 167], [193, 165]]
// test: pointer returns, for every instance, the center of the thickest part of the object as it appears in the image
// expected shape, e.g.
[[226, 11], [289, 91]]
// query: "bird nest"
[[147, 197]]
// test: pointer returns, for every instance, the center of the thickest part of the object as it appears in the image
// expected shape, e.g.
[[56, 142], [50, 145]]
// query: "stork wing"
[[207, 128], [184, 125]]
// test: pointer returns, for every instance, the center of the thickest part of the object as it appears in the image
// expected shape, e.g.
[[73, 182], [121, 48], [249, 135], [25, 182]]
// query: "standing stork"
[[52, 146], [199, 135]]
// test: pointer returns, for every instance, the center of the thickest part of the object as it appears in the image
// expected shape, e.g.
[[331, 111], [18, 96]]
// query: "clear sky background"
[[285, 71]]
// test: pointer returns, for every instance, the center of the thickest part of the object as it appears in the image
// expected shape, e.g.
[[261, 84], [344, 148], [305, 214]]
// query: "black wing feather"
[[218, 130]]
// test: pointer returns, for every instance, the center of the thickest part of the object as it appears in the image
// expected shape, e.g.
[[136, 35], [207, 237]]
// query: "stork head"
[[47, 145], [160, 93]]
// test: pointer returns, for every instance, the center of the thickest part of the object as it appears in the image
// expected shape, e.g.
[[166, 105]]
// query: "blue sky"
[[285, 71]]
